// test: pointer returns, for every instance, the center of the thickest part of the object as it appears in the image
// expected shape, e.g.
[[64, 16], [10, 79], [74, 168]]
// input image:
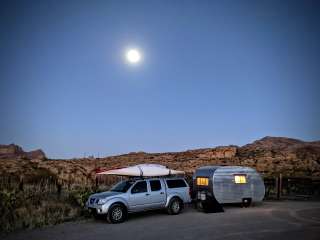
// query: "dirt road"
[[271, 220]]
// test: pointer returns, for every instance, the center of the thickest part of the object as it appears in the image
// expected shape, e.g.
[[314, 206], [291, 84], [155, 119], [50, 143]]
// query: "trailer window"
[[240, 179], [202, 181]]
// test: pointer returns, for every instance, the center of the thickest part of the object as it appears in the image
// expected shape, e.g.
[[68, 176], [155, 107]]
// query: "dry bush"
[[38, 201]]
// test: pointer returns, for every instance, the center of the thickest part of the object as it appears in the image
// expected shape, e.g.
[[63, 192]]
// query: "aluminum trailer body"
[[228, 184]]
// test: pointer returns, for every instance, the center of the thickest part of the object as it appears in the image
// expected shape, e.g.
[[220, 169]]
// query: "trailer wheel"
[[246, 202], [175, 206], [117, 213], [199, 205]]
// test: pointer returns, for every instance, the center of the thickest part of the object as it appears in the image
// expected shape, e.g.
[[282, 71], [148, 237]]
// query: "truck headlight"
[[102, 201]]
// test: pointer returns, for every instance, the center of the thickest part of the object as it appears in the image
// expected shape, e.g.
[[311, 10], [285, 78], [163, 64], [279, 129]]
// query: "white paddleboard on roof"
[[143, 170]]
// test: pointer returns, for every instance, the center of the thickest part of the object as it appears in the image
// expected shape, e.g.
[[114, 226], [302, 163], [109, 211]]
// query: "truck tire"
[[117, 213], [175, 206]]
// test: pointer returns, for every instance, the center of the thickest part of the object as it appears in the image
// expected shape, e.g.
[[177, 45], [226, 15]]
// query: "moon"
[[133, 56]]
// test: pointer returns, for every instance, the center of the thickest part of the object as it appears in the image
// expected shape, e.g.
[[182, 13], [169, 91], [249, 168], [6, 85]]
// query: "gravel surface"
[[271, 220]]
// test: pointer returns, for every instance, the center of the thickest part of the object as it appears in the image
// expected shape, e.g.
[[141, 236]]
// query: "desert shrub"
[[29, 209], [7, 203], [79, 197]]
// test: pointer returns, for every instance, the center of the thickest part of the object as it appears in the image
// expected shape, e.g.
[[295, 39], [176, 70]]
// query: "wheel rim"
[[117, 213], [175, 206]]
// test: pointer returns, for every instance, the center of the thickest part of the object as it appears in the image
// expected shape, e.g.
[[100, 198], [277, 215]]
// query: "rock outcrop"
[[12, 149], [15, 151]]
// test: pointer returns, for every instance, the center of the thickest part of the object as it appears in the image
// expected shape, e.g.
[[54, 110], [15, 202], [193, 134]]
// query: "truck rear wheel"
[[175, 206], [117, 214]]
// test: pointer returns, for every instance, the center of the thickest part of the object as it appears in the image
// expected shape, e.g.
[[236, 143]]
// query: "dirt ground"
[[270, 220]]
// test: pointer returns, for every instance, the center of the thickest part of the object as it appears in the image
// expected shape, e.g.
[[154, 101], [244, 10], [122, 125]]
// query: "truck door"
[[157, 193], [139, 198]]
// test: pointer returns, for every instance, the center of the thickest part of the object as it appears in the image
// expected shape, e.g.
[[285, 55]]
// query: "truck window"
[[155, 185], [122, 186], [140, 187], [176, 183]]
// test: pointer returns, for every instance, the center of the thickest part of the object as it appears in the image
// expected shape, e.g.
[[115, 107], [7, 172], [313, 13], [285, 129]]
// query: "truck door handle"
[[147, 194], [162, 193]]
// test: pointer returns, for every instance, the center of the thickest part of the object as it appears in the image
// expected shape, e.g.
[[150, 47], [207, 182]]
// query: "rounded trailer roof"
[[211, 170], [236, 169]]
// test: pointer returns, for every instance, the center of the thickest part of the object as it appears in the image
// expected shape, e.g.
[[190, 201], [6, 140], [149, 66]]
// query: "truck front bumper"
[[97, 209]]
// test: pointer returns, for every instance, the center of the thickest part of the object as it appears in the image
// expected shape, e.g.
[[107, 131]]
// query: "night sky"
[[213, 73]]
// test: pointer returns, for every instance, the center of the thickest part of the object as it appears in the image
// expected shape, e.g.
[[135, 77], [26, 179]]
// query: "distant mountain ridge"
[[269, 155], [15, 151], [281, 143]]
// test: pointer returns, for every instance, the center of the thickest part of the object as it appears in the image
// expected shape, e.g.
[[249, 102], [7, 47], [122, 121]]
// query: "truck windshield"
[[122, 186]]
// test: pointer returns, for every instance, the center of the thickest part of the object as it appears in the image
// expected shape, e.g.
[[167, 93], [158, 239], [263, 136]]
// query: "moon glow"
[[133, 56]]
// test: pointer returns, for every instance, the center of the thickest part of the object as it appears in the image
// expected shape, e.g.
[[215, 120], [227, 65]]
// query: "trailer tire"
[[199, 205], [175, 206], [246, 202], [117, 213]]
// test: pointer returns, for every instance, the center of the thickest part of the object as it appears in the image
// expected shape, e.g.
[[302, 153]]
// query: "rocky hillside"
[[269, 155]]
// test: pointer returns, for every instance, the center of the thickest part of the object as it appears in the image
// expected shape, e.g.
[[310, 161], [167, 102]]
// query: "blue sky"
[[213, 73]]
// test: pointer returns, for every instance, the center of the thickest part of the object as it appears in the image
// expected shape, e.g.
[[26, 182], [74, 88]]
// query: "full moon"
[[133, 56]]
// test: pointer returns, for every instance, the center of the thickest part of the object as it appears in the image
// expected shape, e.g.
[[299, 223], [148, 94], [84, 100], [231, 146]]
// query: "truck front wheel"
[[175, 206], [117, 214]]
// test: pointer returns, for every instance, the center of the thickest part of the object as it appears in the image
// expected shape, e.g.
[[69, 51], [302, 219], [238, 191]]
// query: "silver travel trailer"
[[227, 184]]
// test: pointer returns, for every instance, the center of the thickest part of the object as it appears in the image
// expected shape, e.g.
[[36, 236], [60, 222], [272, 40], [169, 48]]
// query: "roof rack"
[[151, 177]]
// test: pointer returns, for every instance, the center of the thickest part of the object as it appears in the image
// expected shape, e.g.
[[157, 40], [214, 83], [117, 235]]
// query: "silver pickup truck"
[[140, 195]]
